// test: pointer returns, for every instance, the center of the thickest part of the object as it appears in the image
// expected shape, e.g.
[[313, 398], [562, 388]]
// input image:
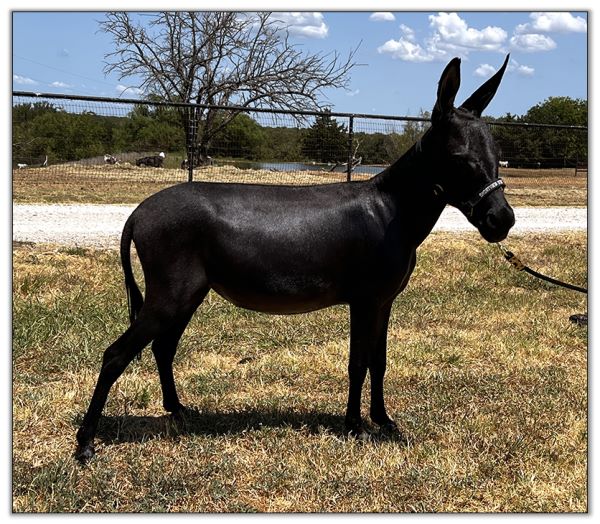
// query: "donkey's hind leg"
[[164, 348], [116, 358], [168, 308]]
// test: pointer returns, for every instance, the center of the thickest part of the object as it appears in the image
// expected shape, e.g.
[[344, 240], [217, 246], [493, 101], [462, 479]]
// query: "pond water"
[[299, 166]]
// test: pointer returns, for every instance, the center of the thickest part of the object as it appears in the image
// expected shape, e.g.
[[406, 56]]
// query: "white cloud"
[[309, 25], [353, 93], [121, 89], [531, 43], [408, 32], [406, 50], [60, 84], [487, 70], [520, 69], [527, 37], [454, 34], [553, 23], [23, 80], [382, 17], [450, 35], [524, 70], [484, 70]]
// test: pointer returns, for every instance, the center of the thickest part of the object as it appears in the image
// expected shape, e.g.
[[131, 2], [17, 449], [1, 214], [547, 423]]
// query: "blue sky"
[[401, 54]]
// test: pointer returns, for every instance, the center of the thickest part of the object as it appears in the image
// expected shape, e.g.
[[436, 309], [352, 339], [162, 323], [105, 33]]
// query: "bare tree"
[[220, 58]]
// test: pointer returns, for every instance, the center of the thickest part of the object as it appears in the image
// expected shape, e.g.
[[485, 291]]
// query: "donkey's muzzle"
[[496, 223]]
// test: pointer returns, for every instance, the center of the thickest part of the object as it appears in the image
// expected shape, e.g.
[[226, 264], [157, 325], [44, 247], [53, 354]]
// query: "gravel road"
[[91, 225]]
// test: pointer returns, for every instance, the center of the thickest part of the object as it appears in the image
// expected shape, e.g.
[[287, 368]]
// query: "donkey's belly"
[[282, 278], [289, 293], [282, 300]]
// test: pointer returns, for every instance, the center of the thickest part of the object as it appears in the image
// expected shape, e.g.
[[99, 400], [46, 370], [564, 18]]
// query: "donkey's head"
[[465, 155]]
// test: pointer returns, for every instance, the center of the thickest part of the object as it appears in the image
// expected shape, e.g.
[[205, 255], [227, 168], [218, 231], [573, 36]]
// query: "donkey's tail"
[[135, 300]]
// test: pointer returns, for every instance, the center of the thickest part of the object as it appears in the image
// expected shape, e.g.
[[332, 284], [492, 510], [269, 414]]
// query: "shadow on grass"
[[132, 428]]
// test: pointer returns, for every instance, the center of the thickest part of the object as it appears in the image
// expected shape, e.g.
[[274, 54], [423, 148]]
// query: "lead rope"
[[519, 266]]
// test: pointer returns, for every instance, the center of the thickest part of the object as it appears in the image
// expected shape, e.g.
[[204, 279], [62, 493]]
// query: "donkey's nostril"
[[504, 217], [491, 220]]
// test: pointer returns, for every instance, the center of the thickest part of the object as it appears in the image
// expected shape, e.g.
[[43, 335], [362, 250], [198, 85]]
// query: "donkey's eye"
[[461, 161]]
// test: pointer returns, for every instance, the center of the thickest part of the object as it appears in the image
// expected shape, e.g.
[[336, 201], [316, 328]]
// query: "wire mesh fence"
[[88, 140]]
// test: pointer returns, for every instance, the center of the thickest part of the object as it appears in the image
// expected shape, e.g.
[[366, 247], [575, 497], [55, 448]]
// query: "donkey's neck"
[[409, 182]]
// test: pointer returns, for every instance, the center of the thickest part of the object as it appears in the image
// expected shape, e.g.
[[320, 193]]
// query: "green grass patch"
[[486, 378]]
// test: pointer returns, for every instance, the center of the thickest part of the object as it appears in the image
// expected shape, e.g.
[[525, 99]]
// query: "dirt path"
[[90, 225]]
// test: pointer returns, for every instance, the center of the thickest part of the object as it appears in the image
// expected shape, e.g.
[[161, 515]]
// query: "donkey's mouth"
[[496, 224], [494, 236]]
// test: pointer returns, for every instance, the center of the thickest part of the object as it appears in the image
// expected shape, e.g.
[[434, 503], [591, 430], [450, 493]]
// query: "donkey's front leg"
[[368, 328], [377, 364]]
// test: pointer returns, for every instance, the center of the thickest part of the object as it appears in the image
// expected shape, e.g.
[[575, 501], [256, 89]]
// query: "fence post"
[[350, 156], [191, 141]]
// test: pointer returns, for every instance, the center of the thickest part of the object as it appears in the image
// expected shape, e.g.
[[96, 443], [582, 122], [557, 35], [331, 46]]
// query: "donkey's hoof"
[[84, 453], [358, 433], [181, 418], [390, 431], [180, 413], [173, 406]]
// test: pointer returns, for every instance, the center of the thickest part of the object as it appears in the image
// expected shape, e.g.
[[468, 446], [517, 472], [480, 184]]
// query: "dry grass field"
[[545, 187], [487, 378], [126, 184]]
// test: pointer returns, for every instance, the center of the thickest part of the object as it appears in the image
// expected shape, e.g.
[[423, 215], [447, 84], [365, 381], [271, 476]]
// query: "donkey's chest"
[[387, 276]]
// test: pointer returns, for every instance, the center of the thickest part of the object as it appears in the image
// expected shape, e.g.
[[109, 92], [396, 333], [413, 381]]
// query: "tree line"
[[46, 129], [544, 147]]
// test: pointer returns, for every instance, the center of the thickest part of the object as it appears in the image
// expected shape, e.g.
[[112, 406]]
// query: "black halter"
[[468, 206]]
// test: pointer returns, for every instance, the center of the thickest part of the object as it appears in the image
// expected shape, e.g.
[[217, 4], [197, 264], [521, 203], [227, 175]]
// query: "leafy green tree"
[[151, 128], [326, 140], [559, 110], [283, 144], [241, 138], [372, 147], [544, 147], [385, 147], [560, 144], [27, 145]]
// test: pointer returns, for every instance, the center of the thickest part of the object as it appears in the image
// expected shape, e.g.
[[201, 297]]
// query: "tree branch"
[[222, 58]]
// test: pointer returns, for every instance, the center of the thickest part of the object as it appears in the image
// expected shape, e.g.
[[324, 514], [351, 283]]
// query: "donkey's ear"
[[447, 88], [480, 99]]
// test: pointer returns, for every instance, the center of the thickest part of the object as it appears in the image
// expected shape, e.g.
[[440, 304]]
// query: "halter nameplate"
[[469, 205], [488, 189]]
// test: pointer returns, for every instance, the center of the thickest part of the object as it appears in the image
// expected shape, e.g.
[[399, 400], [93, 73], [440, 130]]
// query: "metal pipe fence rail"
[[94, 140]]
